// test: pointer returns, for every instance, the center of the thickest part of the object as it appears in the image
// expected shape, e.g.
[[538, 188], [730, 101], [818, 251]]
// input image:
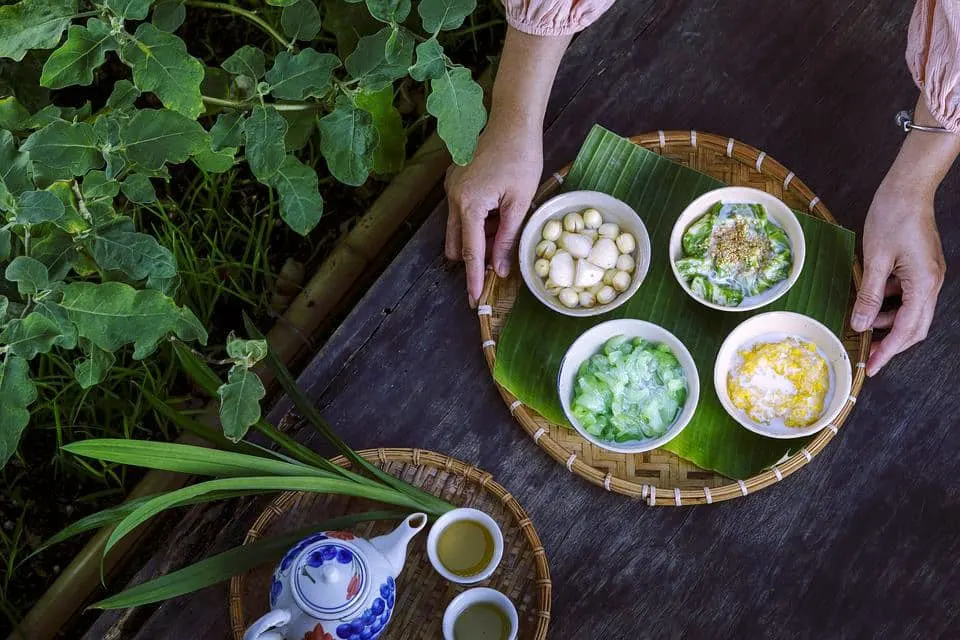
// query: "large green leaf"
[[390, 11], [431, 61], [30, 336], [64, 145], [535, 339], [264, 131], [168, 15], [57, 251], [216, 161], [227, 131], [138, 255], [52, 310], [391, 148], [308, 73], [35, 207], [33, 24], [223, 566], [457, 103], [301, 204], [75, 61], [123, 96], [12, 114], [246, 61], [17, 392], [153, 138], [443, 15], [161, 64], [368, 62], [138, 189], [29, 273], [14, 165], [112, 314], [92, 368], [5, 245], [348, 138], [240, 402], [246, 352], [300, 127], [129, 9], [301, 20]]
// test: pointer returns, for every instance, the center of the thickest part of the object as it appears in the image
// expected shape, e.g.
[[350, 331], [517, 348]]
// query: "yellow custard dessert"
[[786, 380]]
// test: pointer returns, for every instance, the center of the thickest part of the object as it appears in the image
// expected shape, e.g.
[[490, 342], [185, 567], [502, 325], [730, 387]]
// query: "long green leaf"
[[223, 566], [185, 458], [309, 411], [261, 483], [535, 339]]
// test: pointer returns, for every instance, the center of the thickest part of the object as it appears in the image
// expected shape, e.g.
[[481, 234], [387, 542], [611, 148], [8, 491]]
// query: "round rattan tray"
[[658, 476], [422, 595]]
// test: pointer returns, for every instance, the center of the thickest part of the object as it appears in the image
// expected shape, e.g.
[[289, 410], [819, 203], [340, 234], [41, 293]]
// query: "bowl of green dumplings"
[[737, 249]]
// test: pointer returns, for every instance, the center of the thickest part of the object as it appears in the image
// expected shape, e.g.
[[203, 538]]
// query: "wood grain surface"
[[864, 543]]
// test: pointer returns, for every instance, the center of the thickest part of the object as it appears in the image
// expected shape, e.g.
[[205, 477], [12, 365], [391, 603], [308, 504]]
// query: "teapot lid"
[[330, 579]]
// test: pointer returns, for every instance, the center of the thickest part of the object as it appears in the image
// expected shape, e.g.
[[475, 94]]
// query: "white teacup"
[[480, 595], [458, 515]]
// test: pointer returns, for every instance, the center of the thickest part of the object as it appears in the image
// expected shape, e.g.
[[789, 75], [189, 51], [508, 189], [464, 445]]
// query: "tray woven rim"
[[658, 142], [419, 458]]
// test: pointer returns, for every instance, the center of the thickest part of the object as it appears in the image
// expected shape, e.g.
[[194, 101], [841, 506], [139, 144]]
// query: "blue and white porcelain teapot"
[[336, 586]]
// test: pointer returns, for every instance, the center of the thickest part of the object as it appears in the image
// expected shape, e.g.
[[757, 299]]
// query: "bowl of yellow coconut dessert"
[[783, 375]]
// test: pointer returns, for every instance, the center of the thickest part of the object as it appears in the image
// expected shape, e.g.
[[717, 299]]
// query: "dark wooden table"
[[864, 543]]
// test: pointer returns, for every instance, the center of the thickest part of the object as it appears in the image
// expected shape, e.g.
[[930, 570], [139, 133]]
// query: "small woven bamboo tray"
[[658, 476], [422, 595]]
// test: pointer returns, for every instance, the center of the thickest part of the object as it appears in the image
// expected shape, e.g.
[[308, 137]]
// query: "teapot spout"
[[394, 544]]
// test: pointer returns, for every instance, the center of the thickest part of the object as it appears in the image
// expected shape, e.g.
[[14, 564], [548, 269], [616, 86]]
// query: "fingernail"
[[503, 269], [859, 322]]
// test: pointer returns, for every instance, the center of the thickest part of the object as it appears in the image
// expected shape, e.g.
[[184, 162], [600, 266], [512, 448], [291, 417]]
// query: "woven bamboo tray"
[[422, 595], [658, 476]]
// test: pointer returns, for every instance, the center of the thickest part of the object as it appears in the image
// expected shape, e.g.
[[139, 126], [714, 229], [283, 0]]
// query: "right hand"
[[503, 178]]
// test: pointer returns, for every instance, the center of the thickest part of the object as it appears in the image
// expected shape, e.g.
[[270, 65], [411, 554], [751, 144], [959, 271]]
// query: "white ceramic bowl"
[[612, 210], [477, 596], [776, 210], [777, 325], [591, 342], [456, 515]]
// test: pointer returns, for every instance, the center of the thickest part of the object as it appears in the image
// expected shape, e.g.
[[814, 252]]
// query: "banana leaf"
[[535, 338]]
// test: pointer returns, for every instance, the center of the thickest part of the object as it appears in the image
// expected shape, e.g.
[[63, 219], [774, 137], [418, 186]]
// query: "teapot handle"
[[264, 628]]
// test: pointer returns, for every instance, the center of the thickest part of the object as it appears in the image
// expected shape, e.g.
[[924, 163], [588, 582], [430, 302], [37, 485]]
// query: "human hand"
[[902, 255], [503, 178]]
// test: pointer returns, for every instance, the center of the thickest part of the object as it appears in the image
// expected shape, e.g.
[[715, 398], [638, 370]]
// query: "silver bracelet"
[[904, 121]]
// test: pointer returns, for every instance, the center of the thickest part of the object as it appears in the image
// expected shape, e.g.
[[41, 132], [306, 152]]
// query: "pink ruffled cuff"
[[554, 17], [933, 55]]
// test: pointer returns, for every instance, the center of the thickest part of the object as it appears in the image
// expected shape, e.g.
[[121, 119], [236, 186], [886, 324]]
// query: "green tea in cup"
[[465, 548], [482, 621]]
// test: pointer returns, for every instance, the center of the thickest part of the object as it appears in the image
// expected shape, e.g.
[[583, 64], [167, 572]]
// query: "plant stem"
[[475, 28], [279, 106], [243, 13]]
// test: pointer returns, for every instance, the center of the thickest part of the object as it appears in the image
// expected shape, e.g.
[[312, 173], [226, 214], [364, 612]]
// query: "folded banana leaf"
[[535, 339]]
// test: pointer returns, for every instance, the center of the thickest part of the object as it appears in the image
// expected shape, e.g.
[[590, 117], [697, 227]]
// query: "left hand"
[[902, 255]]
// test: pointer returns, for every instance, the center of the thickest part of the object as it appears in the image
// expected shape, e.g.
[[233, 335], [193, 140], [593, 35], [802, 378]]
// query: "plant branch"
[[279, 106], [243, 13]]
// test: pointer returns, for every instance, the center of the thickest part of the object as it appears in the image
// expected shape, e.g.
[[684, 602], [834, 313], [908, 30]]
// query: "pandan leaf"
[[431, 61], [35, 207], [391, 148], [129, 9], [33, 24], [75, 61], [264, 131], [154, 138], [246, 61], [168, 15], [348, 139], [14, 166], [227, 131], [301, 20], [369, 63], [308, 73], [30, 336], [457, 103], [161, 64], [113, 314], [444, 15], [301, 204], [240, 402], [17, 392], [29, 273], [63, 145]]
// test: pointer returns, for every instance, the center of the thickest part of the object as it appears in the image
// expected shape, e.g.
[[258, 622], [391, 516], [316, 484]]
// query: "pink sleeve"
[[553, 17], [933, 54]]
